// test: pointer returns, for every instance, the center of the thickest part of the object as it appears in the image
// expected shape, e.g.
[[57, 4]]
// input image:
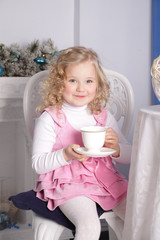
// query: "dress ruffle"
[[96, 178]]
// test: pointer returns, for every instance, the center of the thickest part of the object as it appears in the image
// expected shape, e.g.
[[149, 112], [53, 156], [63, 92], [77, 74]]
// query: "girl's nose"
[[80, 87]]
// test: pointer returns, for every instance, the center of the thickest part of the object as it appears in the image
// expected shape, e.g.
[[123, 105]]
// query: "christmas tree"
[[26, 61]]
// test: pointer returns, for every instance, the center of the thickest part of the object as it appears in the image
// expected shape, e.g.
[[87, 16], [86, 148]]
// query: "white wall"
[[24, 21]]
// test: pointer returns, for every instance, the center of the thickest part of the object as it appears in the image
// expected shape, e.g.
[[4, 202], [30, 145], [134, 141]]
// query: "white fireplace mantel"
[[11, 98], [15, 162]]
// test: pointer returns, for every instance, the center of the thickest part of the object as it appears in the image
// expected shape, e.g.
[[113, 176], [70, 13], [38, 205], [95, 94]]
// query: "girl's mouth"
[[80, 96]]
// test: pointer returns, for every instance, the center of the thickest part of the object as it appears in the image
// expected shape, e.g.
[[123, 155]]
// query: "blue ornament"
[[4, 220], [40, 60], [1, 70], [56, 53]]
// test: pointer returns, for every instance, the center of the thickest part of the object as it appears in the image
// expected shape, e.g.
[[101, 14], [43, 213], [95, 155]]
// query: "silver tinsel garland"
[[19, 61]]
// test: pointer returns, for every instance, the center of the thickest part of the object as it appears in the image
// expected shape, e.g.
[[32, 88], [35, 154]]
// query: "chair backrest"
[[120, 104], [121, 101]]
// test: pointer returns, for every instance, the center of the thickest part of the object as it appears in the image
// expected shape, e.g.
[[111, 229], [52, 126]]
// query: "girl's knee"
[[89, 229]]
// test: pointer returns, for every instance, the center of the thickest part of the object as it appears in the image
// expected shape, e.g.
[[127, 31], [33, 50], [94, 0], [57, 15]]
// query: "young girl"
[[75, 95]]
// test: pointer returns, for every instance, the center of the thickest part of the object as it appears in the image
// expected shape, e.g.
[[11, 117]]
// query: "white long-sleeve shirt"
[[44, 160]]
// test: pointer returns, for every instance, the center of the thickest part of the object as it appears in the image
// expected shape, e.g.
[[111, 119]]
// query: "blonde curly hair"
[[54, 85]]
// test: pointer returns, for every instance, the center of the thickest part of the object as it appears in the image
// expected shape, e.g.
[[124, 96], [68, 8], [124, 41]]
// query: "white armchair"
[[121, 105]]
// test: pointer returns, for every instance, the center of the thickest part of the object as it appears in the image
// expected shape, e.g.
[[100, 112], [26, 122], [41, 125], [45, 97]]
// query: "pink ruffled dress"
[[96, 178]]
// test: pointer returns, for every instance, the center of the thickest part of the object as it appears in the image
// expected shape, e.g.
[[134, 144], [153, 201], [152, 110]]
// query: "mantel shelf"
[[11, 98]]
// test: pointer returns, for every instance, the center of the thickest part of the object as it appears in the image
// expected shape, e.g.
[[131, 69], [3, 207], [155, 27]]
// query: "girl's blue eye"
[[89, 81], [72, 80]]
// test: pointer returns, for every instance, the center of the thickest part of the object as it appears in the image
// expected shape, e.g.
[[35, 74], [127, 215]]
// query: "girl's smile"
[[81, 84]]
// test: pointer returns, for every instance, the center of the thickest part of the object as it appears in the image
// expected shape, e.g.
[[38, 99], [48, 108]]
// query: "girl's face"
[[81, 84]]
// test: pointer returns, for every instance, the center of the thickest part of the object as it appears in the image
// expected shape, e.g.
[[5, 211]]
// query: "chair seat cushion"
[[29, 201]]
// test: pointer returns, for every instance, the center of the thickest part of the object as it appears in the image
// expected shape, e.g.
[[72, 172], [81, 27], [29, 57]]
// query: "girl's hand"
[[112, 141], [69, 153]]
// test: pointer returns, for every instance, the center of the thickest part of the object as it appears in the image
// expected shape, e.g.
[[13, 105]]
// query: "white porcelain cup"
[[93, 137]]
